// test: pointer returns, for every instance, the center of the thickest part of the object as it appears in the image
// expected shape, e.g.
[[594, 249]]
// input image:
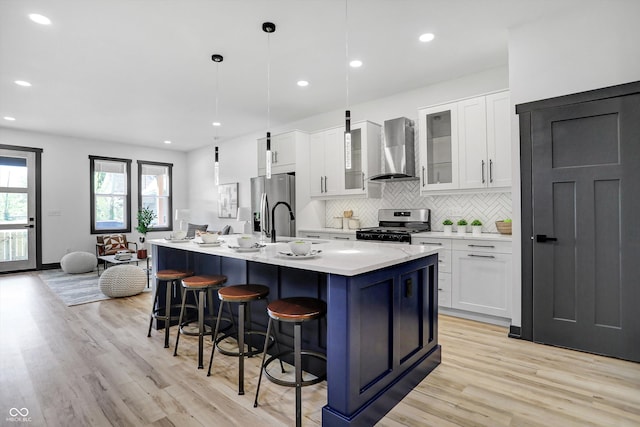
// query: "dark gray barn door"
[[586, 226]]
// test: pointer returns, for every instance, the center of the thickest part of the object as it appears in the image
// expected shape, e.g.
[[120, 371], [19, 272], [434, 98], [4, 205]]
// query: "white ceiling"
[[140, 71]]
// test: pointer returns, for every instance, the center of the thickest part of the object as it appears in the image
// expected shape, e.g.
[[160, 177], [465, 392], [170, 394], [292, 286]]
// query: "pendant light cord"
[[217, 94], [346, 46], [268, 81]]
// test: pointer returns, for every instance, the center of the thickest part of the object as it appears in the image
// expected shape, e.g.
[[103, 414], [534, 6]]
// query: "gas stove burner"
[[397, 225]]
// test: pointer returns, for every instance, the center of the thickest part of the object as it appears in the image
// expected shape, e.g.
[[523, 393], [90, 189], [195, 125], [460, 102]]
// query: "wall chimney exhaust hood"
[[399, 151]]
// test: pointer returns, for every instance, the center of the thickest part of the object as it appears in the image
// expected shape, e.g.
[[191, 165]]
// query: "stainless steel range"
[[397, 225]]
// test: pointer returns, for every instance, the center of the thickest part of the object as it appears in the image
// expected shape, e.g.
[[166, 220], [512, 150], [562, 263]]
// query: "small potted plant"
[[476, 227], [145, 217], [447, 226], [462, 226]]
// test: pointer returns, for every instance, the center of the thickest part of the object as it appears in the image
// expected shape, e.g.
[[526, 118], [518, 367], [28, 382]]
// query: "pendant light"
[[347, 115], [268, 27], [216, 161]]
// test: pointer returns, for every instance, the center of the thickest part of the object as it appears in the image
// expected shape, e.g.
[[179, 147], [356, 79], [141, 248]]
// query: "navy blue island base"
[[380, 334]]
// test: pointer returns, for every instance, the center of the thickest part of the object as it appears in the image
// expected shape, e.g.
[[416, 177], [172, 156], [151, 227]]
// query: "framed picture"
[[228, 200]]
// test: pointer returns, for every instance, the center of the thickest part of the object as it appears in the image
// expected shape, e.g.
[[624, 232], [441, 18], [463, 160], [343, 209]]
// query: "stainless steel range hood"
[[399, 151]]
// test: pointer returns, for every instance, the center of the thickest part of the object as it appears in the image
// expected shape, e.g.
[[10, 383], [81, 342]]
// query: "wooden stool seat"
[[202, 287], [171, 277], [204, 281], [296, 310], [243, 293], [173, 274]]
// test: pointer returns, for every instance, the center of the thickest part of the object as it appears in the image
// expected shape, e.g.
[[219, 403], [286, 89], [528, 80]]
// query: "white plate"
[[207, 245], [254, 248], [177, 240], [291, 255]]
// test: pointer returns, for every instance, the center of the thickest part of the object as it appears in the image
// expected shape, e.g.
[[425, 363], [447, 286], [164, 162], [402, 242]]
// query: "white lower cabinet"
[[482, 276], [444, 267], [473, 275]]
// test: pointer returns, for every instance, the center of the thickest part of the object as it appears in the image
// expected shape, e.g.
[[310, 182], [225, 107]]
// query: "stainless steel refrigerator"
[[265, 193]]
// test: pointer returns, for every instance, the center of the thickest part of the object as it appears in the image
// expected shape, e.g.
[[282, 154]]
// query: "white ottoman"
[[78, 262], [123, 281]]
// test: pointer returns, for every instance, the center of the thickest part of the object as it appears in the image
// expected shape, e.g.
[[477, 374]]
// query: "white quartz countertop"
[[346, 258], [328, 230], [466, 236]]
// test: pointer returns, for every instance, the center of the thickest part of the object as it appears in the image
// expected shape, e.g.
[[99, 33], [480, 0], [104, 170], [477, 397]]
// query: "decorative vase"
[[476, 230], [462, 230], [448, 230], [141, 254]]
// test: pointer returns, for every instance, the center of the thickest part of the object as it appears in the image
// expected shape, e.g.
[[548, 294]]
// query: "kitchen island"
[[381, 331]]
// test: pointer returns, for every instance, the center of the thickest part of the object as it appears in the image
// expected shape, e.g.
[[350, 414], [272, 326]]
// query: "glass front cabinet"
[[438, 135]]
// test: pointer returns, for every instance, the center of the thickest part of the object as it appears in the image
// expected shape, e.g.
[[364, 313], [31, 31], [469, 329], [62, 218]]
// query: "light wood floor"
[[92, 365]]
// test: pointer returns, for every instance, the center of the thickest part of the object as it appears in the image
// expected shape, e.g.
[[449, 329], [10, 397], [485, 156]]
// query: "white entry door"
[[17, 210]]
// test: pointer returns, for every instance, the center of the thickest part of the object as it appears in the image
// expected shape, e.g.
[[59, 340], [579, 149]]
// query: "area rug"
[[74, 289]]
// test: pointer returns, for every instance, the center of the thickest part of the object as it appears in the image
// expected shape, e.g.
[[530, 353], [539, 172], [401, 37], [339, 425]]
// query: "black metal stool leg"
[[167, 312], [264, 356], [200, 327], [215, 337], [153, 308], [184, 299], [241, 325], [297, 359]]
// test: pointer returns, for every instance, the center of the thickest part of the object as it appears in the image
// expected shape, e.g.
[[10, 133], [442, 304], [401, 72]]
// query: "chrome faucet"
[[273, 222]]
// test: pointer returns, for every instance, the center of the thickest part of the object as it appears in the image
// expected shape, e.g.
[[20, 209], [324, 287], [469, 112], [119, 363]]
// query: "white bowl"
[[246, 241], [178, 235], [299, 247], [209, 237]]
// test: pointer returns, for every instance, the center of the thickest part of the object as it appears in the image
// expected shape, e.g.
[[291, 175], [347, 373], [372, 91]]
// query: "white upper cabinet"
[[283, 153], [438, 136], [337, 171], [466, 145]]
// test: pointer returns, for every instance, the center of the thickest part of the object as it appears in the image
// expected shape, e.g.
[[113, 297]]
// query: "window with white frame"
[[110, 195], [155, 191]]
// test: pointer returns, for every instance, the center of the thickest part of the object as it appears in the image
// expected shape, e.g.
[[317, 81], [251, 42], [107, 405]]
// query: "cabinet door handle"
[[430, 243], [481, 246], [312, 237], [439, 289], [340, 238], [483, 171], [490, 171], [481, 256], [423, 181], [275, 156], [363, 181], [321, 190], [542, 238], [325, 184]]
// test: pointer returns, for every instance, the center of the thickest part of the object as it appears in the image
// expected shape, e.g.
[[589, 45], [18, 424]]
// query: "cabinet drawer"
[[443, 243], [482, 246], [444, 290]]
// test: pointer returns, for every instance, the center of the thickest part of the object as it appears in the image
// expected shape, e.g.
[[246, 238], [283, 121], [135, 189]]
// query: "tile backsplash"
[[487, 207]]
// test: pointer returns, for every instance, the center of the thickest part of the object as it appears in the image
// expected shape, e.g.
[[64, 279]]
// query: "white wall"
[[238, 157], [589, 48], [65, 186]]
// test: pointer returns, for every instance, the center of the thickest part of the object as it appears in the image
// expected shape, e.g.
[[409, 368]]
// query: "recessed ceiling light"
[[356, 63], [22, 83], [303, 83], [426, 37], [216, 124], [167, 142], [11, 119], [39, 19]]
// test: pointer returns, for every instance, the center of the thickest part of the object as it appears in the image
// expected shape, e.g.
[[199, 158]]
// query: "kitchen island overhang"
[[381, 331]]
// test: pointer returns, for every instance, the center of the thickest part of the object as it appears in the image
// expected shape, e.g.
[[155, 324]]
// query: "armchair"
[[110, 244]]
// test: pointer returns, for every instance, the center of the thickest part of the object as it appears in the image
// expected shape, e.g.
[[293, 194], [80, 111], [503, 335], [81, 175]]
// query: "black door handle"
[[542, 238], [29, 226]]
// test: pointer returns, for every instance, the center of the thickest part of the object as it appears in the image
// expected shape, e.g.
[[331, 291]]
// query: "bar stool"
[[297, 310], [241, 295], [201, 286], [164, 313]]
